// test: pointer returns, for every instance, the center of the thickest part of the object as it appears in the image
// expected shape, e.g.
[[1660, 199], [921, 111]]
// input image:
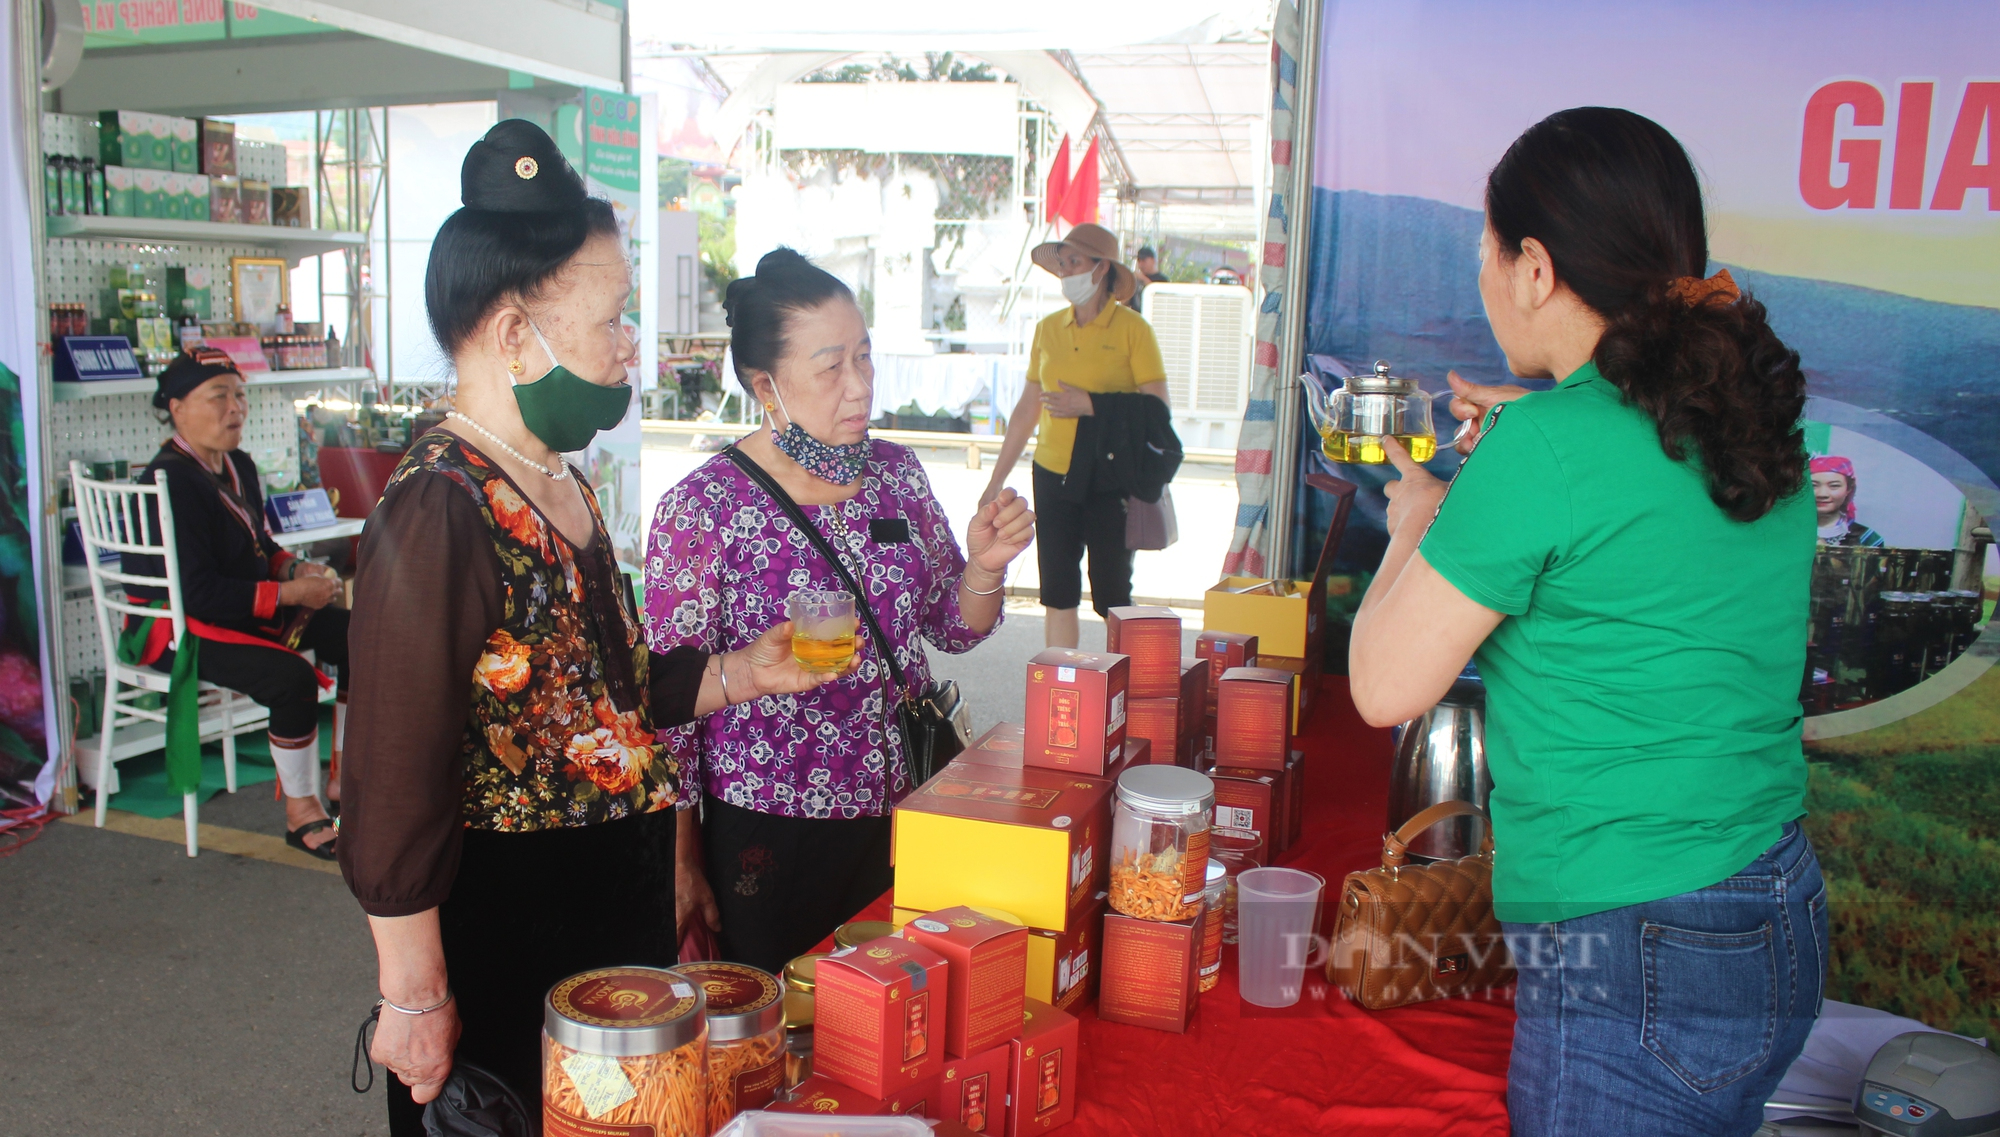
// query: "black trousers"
[[784, 884], [274, 677], [528, 910], [1065, 530]]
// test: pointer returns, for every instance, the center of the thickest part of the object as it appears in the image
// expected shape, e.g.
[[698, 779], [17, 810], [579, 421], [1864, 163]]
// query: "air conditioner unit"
[[1205, 333]]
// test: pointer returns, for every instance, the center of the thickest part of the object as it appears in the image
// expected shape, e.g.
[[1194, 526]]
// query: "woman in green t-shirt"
[[1628, 556]]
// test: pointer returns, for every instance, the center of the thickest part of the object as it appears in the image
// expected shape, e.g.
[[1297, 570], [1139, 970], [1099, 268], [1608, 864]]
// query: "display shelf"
[[70, 392], [295, 244]]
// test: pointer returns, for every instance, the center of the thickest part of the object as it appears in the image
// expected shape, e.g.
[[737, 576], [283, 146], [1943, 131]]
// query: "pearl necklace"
[[559, 474]]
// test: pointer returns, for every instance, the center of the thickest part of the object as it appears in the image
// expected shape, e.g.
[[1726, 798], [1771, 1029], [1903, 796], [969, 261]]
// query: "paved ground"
[[149, 993]]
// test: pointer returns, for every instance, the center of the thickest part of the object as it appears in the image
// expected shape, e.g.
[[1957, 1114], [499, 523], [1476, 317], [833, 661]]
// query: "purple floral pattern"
[[720, 562]]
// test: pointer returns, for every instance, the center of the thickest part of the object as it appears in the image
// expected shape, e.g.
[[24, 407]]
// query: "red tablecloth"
[[1324, 1066]]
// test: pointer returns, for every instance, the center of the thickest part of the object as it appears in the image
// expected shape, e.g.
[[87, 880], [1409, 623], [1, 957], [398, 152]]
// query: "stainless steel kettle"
[[1441, 756]]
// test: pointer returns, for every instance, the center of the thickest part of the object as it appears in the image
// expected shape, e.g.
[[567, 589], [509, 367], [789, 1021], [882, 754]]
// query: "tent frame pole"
[[1292, 330]]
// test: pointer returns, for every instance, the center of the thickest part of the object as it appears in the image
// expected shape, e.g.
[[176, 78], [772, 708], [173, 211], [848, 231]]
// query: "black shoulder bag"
[[935, 723]]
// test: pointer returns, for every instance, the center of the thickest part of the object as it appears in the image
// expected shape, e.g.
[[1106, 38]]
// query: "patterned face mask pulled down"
[[837, 463]]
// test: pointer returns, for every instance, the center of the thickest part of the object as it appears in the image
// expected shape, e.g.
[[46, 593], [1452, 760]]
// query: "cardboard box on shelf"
[[256, 197], [823, 1095], [1305, 675], [1247, 802], [1061, 964], [1151, 638], [1029, 841], [1287, 617], [973, 1090], [1253, 718], [124, 139], [1223, 650], [290, 207], [119, 182], [1076, 710], [1152, 971], [185, 156], [879, 1015], [197, 196], [148, 198], [218, 148], [225, 199], [173, 197], [1042, 1076], [986, 975], [160, 141]]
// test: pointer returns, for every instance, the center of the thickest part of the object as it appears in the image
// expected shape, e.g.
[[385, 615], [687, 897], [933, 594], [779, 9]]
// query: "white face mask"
[[1079, 289]]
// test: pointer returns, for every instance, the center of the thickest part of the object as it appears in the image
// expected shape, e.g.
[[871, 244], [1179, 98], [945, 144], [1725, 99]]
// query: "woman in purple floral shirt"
[[794, 791]]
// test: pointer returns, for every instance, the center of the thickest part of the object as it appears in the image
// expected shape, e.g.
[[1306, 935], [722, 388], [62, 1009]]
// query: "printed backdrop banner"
[[1851, 157]]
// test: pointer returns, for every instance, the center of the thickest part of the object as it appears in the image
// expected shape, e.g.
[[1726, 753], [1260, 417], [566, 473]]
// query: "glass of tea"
[[823, 626]]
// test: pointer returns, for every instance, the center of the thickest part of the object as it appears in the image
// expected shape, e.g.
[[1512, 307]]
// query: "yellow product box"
[[1305, 682], [1288, 617], [1029, 841]]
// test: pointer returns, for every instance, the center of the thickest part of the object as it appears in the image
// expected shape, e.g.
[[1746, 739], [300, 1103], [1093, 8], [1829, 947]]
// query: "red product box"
[[1305, 682], [821, 1094], [1062, 963], [1253, 719], [1224, 650], [1152, 971], [1249, 802], [1151, 638], [879, 1016], [974, 1090], [920, 1100], [1135, 752], [1042, 1080], [986, 975], [1281, 813], [1158, 721], [1295, 826], [1000, 746], [1076, 710], [1195, 672]]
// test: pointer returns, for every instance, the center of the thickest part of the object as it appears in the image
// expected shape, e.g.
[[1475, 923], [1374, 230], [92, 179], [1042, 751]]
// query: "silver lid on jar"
[[1167, 789], [1380, 383], [625, 1012], [743, 1001]]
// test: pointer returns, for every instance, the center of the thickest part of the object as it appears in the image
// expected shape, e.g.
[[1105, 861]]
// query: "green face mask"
[[565, 410]]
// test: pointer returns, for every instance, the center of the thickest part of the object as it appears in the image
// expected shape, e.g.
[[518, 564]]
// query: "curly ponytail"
[[1614, 199]]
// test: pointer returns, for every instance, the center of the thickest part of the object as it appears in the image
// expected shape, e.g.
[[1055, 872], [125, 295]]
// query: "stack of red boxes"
[[1222, 650], [934, 1022], [1169, 691]]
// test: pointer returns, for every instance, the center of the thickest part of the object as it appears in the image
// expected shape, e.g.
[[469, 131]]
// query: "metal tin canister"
[[746, 1036], [624, 1012], [625, 1050]]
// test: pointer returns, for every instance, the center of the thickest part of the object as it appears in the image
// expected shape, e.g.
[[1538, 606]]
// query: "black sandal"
[[296, 838]]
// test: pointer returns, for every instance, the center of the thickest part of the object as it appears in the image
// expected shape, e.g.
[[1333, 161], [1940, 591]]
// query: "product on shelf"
[[986, 977], [1062, 963], [1029, 841], [1174, 724], [746, 1036], [218, 148], [289, 207], [148, 193], [1042, 1081], [973, 1090], [1224, 650], [125, 138], [1075, 710], [1152, 969], [625, 1047], [1159, 841], [195, 189], [225, 199], [185, 147], [1253, 718], [173, 197], [119, 183], [256, 199], [1151, 638], [878, 1018]]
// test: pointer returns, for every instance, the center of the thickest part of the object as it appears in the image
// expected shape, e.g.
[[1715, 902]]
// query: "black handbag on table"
[[935, 723]]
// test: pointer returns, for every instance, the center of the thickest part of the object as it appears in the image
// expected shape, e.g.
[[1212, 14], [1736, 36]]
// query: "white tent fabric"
[[947, 384], [917, 26]]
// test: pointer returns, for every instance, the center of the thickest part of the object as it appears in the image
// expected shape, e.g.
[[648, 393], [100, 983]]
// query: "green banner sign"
[[132, 23]]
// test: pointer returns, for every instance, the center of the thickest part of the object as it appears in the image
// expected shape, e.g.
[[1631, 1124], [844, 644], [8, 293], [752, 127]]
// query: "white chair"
[[126, 519]]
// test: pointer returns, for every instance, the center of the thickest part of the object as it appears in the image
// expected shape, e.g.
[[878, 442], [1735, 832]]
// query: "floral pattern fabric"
[[545, 746], [721, 561]]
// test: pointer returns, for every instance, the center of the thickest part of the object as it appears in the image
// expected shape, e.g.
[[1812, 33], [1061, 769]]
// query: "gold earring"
[[515, 367], [770, 406]]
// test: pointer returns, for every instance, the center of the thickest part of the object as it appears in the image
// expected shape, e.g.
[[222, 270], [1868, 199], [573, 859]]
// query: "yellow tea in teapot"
[[1366, 449]]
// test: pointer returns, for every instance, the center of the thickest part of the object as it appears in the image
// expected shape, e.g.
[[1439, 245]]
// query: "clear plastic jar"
[[1211, 925], [746, 1037], [1159, 842], [1237, 851], [625, 1049]]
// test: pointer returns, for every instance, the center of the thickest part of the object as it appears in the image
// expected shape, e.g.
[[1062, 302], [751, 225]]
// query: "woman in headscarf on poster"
[[1833, 486]]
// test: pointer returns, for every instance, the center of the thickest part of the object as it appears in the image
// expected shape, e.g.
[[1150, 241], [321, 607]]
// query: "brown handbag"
[[1407, 933]]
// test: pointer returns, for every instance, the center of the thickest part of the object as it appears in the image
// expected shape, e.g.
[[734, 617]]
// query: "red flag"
[[1080, 202], [1058, 187]]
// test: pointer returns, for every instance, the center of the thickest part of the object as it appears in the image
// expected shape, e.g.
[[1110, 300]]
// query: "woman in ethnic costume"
[[509, 816]]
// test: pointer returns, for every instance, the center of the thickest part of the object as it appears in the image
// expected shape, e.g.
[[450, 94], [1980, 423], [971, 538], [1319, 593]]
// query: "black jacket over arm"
[[223, 565], [1125, 446]]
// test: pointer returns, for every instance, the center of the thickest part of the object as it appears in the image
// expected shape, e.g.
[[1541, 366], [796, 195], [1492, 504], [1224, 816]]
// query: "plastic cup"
[[1277, 914], [823, 629]]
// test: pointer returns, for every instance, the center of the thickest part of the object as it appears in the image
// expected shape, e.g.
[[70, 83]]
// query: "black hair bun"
[[732, 298], [516, 168]]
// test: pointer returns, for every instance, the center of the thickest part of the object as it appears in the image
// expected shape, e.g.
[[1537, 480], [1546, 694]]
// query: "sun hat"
[[1092, 241]]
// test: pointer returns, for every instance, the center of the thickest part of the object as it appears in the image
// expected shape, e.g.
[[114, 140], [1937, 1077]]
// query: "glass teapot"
[[1353, 420]]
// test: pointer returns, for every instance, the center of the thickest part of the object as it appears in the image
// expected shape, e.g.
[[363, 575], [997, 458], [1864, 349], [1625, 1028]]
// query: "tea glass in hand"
[[823, 626]]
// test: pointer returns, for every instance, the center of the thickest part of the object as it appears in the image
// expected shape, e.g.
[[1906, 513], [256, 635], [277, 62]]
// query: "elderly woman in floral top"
[[791, 834], [509, 816]]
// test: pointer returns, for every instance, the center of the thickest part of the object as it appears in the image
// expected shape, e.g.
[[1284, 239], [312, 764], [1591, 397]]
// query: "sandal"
[[296, 838]]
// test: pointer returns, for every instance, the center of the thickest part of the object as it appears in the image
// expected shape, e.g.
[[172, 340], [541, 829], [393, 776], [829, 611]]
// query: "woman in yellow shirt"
[[1096, 346]]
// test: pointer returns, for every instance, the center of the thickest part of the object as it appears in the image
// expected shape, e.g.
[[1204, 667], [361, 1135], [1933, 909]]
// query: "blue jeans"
[[1673, 1017]]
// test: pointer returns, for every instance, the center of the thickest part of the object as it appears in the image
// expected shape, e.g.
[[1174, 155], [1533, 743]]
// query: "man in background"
[[1145, 267]]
